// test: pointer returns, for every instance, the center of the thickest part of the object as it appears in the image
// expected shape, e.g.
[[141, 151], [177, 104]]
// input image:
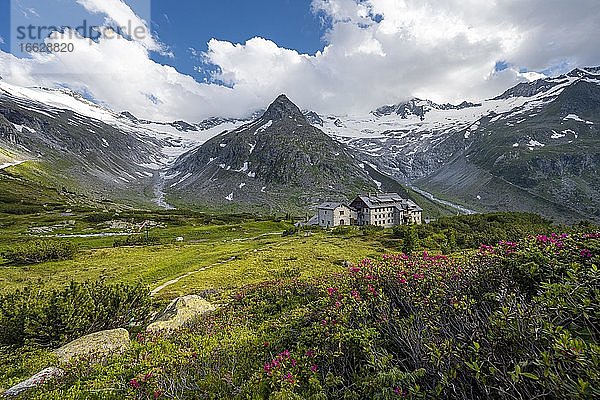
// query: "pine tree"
[[411, 240]]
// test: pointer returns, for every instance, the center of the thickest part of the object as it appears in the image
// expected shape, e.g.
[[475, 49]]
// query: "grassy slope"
[[258, 250]]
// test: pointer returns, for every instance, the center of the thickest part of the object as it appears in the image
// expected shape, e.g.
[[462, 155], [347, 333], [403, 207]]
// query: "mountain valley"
[[533, 148]]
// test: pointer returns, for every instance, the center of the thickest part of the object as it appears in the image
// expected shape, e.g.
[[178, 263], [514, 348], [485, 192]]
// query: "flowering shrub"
[[518, 319]]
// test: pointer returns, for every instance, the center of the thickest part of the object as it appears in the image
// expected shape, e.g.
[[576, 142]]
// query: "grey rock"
[[100, 344], [180, 314], [38, 379]]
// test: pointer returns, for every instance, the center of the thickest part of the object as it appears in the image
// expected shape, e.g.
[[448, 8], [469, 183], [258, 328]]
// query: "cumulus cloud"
[[383, 51], [119, 13], [376, 52]]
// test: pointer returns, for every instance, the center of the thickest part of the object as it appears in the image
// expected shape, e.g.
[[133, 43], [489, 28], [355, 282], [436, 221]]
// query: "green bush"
[[370, 230], [52, 318], [290, 232], [449, 234], [137, 240], [342, 230], [513, 320], [39, 251]]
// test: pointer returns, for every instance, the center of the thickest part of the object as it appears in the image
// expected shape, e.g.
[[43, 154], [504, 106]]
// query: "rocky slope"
[[61, 140], [544, 157], [533, 148], [279, 162]]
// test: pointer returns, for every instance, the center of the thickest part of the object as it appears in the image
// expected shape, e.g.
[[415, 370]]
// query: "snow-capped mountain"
[[81, 146], [413, 145], [418, 108], [277, 162], [535, 147]]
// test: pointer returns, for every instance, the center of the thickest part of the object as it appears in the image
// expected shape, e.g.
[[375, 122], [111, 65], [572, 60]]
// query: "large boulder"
[[38, 379], [100, 343], [180, 314]]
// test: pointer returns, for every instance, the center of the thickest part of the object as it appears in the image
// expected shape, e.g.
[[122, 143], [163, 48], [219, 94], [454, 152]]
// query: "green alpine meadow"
[[299, 200]]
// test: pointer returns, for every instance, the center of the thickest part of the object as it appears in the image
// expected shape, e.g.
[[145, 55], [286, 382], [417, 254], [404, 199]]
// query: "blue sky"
[[183, 26], [376, 52], [289, 23]]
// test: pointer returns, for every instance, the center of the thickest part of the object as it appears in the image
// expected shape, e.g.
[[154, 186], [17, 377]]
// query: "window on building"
[[341, 213]]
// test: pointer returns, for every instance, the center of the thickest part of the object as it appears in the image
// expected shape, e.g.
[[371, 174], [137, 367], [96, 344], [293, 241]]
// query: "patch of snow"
[[222, 145], [264, 127], [154, 166], [252, 174], [244, 168], [252, 147], [516, 145], [172, 176], [569, 131], [20, 128], [11, 164], [264, 189], [242, 185], [556, 135], [182, 179], [230, 197], [574, 117], [535, 143]]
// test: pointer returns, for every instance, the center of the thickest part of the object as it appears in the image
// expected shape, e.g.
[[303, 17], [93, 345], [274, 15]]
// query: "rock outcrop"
[[180, 314], [38, 379], [99, 343]]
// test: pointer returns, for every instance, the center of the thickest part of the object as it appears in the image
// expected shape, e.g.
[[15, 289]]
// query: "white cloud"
[[1, 40], [121, 14], [381, 51], [377, 52]]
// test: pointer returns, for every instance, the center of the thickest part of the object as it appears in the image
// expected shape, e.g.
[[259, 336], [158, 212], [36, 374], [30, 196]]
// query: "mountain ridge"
[[548, 125]]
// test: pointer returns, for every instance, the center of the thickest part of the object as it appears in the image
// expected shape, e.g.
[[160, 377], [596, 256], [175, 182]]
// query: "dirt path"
[[174, 281], [188, 274]]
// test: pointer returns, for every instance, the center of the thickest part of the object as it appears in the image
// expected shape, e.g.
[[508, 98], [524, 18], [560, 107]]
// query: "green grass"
[[220, 252], [254, 260]]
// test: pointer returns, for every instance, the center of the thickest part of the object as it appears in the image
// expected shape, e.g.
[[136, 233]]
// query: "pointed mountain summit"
[[279, 162], [281, 108]]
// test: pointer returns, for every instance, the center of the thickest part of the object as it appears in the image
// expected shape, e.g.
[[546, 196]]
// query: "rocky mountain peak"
[[281, 108]]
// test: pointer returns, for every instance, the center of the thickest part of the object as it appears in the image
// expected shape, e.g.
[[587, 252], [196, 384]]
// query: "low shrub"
[[52, 318], [514, 320], [342, 230], [368, 230], [137, 240], [39, 251], [290, 232]]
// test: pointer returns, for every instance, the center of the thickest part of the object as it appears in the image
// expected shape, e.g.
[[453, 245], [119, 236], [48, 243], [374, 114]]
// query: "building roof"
[[331, 206], [388, 200]]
